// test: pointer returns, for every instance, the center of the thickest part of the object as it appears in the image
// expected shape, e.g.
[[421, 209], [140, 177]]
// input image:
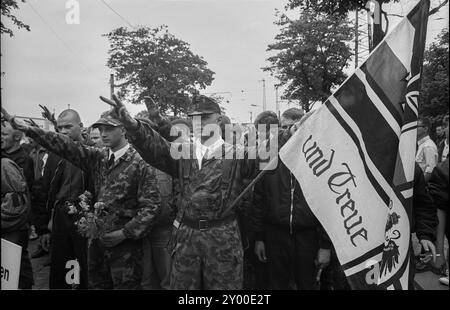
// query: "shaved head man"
[[69, 124]]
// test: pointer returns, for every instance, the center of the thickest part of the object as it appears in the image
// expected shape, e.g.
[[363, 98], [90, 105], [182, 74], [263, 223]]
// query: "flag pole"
[[249, 186]]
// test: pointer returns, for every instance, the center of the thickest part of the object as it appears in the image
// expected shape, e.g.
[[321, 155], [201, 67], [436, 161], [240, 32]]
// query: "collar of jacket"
[[128, 156]]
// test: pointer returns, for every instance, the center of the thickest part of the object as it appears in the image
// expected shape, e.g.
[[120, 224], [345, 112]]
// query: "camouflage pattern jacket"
[[128, 188], [205, 193]]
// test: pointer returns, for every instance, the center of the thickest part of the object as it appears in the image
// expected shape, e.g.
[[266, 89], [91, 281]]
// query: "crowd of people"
[[175, 223]]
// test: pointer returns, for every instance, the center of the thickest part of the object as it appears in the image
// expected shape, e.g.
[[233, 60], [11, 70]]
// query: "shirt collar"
[[203, 148], [200, 149], [119, 153]]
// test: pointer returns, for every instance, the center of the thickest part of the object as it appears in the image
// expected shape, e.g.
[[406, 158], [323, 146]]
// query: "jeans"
[[156, 260]]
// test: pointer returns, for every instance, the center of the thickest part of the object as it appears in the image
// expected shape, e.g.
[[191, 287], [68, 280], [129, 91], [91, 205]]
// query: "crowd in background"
[[282, 243]]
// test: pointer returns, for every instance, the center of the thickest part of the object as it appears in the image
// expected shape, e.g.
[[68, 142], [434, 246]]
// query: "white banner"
[[10, 268]]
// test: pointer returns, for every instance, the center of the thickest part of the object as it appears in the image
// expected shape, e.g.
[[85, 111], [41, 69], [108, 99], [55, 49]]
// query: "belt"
[[204, 224]]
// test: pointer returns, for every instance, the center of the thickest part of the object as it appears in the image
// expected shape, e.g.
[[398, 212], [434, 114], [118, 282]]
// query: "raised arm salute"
[[125, 184], [207, 251]]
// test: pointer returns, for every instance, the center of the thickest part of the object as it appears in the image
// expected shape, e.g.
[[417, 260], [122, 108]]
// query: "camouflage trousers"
[[119, 267], [211, 259]]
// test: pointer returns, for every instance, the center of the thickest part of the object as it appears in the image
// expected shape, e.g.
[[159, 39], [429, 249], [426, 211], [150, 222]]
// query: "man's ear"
[[219, 119], [123, 130], [81, 125], [17, 136]]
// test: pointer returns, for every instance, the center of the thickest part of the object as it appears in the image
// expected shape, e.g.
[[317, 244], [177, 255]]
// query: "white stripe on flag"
[[409, 125], [413, 79], [407, 153], [410, 103], [414, 95], [408, 193], [378, 103], [401, 42]]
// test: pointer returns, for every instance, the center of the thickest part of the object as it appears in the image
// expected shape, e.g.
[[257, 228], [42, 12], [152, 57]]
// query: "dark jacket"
[[424, 218], [15, 198], [279, 203], [21, 157], [439, 187], [273, 206], [440, 146], [61, 181], [39, 192]]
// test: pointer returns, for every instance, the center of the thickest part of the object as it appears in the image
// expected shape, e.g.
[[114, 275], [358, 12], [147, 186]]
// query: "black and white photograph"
[[248, 147]]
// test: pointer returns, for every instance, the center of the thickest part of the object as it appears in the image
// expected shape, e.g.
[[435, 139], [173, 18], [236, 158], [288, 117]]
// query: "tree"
[[434, 96], [312, 53], [342, 7], [6, 7], [154, 63]]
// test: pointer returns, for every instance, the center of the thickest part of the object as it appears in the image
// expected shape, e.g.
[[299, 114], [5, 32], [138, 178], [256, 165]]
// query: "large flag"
[[354, 159]]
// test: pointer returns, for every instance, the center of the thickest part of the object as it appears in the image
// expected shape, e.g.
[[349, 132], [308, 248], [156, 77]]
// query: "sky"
[[63, 65]]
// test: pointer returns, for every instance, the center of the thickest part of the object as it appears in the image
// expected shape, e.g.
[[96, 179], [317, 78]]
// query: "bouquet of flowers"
[[93, 221]]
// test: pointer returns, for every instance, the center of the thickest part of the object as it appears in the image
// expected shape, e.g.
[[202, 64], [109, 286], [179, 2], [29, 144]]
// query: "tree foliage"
[[153, 62], [312, 52], [434, 96], [6, 7], [332, 7]]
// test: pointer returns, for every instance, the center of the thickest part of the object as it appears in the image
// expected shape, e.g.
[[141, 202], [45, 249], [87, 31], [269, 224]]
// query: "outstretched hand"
[[31, 122], [120, 111], [13, 121], [49, 116], [153, 111]]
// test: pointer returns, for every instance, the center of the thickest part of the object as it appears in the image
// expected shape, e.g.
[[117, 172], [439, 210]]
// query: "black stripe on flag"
[[395, 108], [383, 195], [379, 138], [405, 186], [363, 258], [418, 18], [397, 285], [409, 128]]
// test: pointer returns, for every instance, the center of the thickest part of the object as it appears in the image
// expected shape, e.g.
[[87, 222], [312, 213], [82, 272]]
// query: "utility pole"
[[264, 94], [111, 84], [356, 37], [374, 13], [277, 103], [251, 116]]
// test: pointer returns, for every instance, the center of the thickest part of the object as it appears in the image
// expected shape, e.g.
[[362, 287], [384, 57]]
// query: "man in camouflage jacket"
[[207, 251], [126, 184]]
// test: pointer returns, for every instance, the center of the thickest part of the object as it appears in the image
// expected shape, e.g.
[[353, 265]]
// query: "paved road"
[[429, 281]]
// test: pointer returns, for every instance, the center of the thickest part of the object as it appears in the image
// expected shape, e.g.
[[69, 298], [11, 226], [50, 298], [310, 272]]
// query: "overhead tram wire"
[[51, 29], [67, 46], [117, 13]]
